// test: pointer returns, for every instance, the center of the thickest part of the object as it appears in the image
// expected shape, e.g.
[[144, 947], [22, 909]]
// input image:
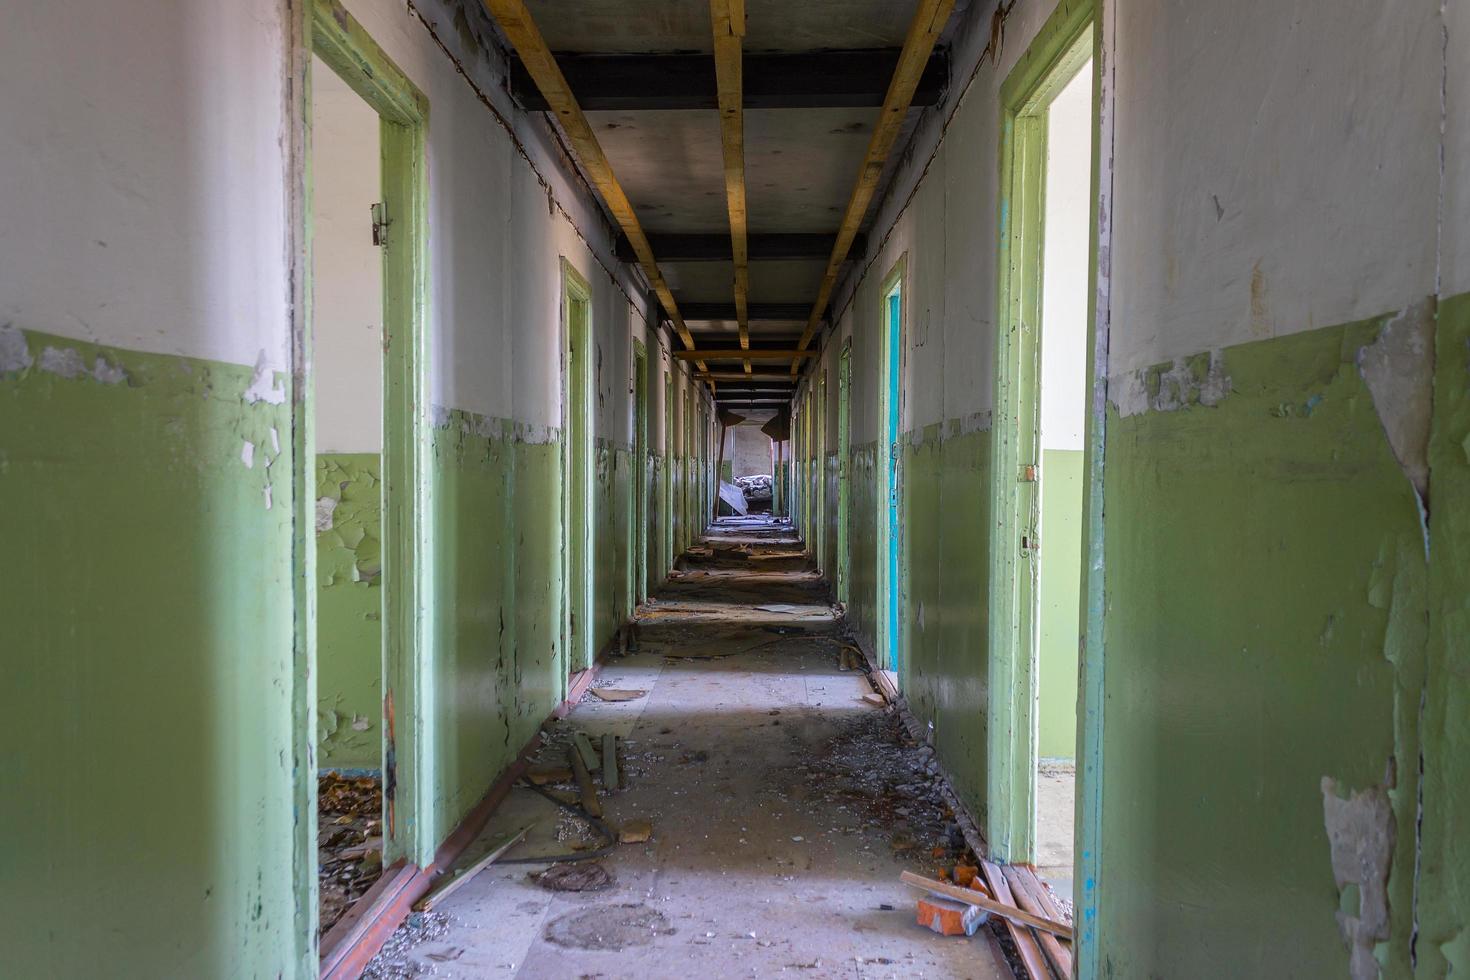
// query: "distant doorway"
[[577, 463]]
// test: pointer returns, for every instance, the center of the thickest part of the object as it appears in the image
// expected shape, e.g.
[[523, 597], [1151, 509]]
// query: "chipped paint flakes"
[[15, 353], [1186, 382], [247, 454], [264, 385], [1360, 831], [326, 507], [1398, 368]]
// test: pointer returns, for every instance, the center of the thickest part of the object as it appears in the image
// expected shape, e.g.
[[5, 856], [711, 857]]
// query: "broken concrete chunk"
[[635, 832]]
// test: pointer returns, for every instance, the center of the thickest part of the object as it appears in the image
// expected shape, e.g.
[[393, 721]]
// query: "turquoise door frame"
[[891, 553]]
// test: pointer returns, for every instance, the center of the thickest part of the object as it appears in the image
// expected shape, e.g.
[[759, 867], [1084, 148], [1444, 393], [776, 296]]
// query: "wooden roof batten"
[[520, 29], [923, 33], [727, 21]]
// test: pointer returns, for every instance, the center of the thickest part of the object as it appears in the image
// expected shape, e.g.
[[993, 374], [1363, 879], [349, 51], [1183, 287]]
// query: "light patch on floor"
[[1055, 796]]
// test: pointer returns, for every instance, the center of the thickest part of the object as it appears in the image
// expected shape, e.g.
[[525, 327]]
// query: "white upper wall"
[[1276, 169], [347, 268], [143, 176], [1064, 288]]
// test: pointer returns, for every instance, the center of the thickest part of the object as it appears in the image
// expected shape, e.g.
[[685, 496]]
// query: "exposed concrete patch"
[[1398, 368], [65, 362], [247, 454], [325, 508], [1360, 831], [264, 385], [1183, 383], [15, 353]]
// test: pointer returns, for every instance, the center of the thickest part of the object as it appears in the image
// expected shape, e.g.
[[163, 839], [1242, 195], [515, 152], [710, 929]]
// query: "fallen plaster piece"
[[1398, 368], [15, 353], [1360, 832]]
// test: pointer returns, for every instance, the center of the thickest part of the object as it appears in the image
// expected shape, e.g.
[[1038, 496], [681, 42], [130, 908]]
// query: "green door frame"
[[891, 563], [844, 467], [819, 467], [1071, 35], [670, 454], [638, 589], [578, 560], [407, 552]]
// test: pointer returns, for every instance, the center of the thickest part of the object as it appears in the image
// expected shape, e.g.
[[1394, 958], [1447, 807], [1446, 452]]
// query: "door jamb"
[[1072, 34], [578, 610], [407, 547]]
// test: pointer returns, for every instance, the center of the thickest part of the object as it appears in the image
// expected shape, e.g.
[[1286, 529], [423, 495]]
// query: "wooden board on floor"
[[1026, 946], [1026, 889]]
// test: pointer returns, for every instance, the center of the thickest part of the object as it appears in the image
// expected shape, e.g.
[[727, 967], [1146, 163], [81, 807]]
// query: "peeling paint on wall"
[[1398, 368], [1183, 383], [1360, 830]]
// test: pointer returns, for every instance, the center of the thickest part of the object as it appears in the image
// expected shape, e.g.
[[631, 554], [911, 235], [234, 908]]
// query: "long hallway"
[[783, 805]]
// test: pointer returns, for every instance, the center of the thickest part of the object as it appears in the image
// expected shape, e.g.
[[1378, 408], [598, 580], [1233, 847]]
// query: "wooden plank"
[[609, 761], [1024, 886], [454, 884], [715, 354], [521, 30], [757, 311], [705, 247], [727, 21], [584, 746], [1005, 909], [924, 30], [588, 792], [1026, 946]]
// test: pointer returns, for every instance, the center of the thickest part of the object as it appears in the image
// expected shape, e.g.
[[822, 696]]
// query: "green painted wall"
[[349, 611], [945, 515], [148, 665], [1268, 610], [1060, 598]]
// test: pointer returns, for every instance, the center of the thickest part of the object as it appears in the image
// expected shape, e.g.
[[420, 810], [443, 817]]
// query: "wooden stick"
[[590, 803], [1024, 937], [609, 761], [584, 746], [453, 884], [971, 897]]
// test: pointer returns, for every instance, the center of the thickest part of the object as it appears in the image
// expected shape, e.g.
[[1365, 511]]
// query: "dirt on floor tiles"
[[774, 807]]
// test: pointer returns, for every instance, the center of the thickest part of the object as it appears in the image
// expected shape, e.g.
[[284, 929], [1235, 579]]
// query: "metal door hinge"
[[1028, 473], [380, 225]]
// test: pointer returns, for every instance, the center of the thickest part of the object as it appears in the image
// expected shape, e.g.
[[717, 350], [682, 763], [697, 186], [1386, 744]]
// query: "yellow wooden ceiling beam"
[[727, 20], [924, 30], [521, 30]]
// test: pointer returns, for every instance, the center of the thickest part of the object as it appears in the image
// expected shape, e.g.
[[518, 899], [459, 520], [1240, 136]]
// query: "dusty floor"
[[783, 808], [1055, 784]]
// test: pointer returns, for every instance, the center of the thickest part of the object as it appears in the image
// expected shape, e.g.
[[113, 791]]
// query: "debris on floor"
[[349, 842], [449, 886], [635, 832], [617, 694], [394, 961], [583, 876], [948, 917]]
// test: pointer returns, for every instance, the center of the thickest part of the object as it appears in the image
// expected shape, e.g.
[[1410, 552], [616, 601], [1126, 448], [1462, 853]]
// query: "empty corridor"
[[783, 805]]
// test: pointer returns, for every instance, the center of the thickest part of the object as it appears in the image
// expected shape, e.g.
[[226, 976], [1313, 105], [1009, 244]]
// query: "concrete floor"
[[1055, 786], [783, 809]]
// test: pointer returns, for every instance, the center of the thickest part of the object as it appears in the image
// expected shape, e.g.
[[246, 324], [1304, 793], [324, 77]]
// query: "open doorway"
[[361, 439], [577, 470], [347, 336], [1063, 416], [1038, 450], [751, 464]]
